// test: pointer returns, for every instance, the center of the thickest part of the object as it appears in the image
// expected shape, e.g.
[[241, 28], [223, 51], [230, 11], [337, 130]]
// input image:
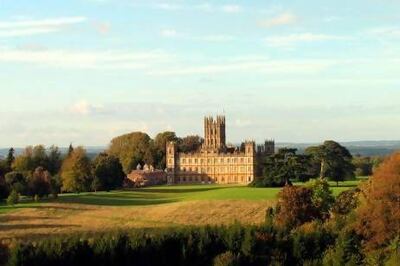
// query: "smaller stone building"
[[147, 176]]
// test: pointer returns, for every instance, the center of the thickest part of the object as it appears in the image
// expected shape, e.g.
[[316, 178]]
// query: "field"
[[148, 207]]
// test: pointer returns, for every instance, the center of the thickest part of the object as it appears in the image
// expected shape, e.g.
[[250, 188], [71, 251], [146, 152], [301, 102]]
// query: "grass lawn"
[[146, 207], [169, 194]]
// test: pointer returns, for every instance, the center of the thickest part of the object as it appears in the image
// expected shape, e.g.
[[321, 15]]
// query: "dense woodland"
[[308, 226]]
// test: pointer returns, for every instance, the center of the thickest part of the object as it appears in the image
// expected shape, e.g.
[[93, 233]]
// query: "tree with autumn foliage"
[[378, 216], [295, 207], [76, 172]]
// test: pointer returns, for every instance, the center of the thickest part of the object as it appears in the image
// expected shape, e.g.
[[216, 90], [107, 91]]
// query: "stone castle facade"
[[214, 162]]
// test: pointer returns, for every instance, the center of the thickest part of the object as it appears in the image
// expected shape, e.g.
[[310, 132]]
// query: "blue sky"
[[84, 71]]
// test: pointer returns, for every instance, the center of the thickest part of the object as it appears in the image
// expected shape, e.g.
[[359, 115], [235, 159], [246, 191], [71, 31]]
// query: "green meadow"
[[169, 194]]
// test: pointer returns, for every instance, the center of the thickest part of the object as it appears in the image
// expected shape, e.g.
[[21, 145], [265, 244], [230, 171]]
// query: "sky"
[[85, 71]]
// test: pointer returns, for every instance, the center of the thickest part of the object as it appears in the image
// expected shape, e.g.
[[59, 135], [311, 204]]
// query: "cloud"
[[17, 28], [251, 65], [391, 32], [85, 59], [85, 108], [283, 19], [231, 8], [169, 33], [292, 39]]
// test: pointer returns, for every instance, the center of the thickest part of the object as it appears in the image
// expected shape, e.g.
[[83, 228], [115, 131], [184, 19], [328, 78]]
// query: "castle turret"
[[171, 157], [214, 133]]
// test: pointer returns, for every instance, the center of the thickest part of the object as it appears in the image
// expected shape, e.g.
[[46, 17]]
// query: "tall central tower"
[[214, 133]]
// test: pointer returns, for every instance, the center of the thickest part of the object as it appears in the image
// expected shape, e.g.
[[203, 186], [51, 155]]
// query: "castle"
[[214, 162]]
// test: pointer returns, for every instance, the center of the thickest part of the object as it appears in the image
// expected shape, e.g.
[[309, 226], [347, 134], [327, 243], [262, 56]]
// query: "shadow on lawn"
[[113, 201], [176, 190]]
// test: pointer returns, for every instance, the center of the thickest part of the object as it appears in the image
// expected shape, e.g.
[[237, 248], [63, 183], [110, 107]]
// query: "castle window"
[[183, 161], [202, 161], [228, 160], [170, 161]]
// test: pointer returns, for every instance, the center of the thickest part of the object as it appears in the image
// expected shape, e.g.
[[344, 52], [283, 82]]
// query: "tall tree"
[[10, 157], [190, 143], [39, 183], [378, 216], [70, 150], [295, 207], [54, 160], [160, 143], [280, 168], [335, 161], [130, 149], [107, 172], [76, 172]]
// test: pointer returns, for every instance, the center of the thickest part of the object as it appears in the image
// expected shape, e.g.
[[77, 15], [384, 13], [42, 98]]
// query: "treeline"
[[39, 171], [139, 148], [329, 160], [308, 226]]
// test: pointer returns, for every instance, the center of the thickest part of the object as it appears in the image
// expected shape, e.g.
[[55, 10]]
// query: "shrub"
[[346, 201], [295, 207], [13, 198], [226, 259]]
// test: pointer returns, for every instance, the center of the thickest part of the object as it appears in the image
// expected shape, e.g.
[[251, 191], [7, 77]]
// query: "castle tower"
[[250, 148], [269, 147], [171, 158], [214, 133]]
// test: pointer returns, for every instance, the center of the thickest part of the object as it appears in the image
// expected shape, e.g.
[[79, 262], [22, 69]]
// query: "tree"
[[54, 160], [282, 167], [39, 184], [130, 149], [107, 172], [70, 150], [295, 207], [76, 172], [4, 191], [322, 196], [363, 165], [347, 250], [13, 198], [39, 157], [17, 181], [4, 169], [378, 216], [335, 161], [10, 158], [346, 201], [24, 162], [190, 143], [160, 143]]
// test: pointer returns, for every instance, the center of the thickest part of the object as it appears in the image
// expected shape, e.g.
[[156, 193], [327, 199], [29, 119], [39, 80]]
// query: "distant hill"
[[364, 148]]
